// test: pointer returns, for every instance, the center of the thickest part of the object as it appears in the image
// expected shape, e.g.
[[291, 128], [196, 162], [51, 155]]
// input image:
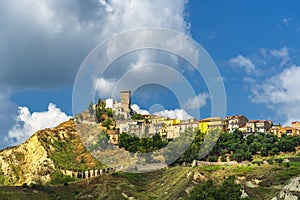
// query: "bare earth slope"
[[43, 154]]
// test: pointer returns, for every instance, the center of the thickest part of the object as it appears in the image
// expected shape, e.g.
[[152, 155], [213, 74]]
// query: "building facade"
[[235, 122], [211, 123], [259, 126]]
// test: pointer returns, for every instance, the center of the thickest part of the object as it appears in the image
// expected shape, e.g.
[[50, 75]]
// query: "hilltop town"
[[126, 120], [254, 158]]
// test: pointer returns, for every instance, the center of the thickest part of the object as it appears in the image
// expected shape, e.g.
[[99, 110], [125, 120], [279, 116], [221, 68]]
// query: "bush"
[[223, 158], [212, 158], [59, 178], [271, 161], [209, 191]]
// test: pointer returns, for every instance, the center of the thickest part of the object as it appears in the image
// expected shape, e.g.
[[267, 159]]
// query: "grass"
[[288, 171], [133, 178], [212, 168], [261, 193], [243, 170], [171, 183], [68, 153], [59, 178]]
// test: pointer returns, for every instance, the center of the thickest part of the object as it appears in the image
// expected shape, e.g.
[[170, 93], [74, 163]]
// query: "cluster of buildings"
[[172, 128]]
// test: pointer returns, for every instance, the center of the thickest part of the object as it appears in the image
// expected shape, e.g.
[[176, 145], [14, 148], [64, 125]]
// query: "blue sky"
[[255, 45]]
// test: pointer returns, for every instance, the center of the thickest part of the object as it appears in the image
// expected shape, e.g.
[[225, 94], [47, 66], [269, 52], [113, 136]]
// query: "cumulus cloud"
[[243, 62], [43, 42], [130, 14], [196, 102], [281, 93], [281, 88], [137, 109], [174, 114], [104, 87], [51, 38], [28, 123]]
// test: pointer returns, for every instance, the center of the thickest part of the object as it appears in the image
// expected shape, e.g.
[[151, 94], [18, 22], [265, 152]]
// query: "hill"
[[40, 158], [34, 170], [258, 182]]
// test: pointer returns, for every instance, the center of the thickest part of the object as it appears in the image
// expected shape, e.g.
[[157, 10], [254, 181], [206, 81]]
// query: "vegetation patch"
[[60, 178], [243, 170]]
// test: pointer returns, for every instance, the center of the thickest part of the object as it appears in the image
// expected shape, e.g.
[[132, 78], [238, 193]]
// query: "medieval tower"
[[126, 100]]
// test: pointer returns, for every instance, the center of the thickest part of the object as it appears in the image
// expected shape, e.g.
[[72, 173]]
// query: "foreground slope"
[[258, 181], [40, 158]]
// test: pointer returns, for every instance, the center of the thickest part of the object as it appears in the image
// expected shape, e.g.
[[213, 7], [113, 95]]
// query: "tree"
[[206, 191], [141, 145], [212, 158], [254, 147], [264, 152], [286, 144], [137, 117], [109, 112], [227, 190], [106, 123]]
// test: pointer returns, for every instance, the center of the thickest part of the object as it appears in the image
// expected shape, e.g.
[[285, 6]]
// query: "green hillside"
[[262, 181]]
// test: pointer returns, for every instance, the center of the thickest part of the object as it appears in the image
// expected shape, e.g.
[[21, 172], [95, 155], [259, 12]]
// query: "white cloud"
[[129, 14], [104, 87], [283, 54], [28, 123], [69, 30], [196, 102], [244, 62], [174, 114], [281, 92], [108, 8], [281, 88], [137, 108]]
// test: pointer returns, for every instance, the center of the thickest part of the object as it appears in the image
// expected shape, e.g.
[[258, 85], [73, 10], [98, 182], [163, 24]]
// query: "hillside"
[[258, 181], [33, 170], [39, 159]]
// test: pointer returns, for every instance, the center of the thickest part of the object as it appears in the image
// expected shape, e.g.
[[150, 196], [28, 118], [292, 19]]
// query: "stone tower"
[[126, 100]]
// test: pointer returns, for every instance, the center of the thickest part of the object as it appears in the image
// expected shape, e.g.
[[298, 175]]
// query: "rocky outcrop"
[[44, 153], [290, 191], [27, 163]]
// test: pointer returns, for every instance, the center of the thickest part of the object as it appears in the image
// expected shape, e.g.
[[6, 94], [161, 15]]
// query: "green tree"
[[264, 152], [212, 158], [253, 147], [137, 116], [227, 190], [286, 144], [206, 191], [109, 112], [107, 122]]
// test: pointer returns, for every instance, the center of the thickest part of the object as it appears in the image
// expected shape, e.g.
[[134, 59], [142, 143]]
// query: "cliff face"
[[27, 163], [44, 153]]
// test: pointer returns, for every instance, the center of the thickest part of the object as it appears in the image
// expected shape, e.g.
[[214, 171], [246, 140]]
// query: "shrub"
[[212, 158]]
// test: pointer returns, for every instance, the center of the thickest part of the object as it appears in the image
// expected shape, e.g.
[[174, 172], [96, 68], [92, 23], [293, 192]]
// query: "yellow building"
[[288, 131], [211, 123], [296, 125]]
